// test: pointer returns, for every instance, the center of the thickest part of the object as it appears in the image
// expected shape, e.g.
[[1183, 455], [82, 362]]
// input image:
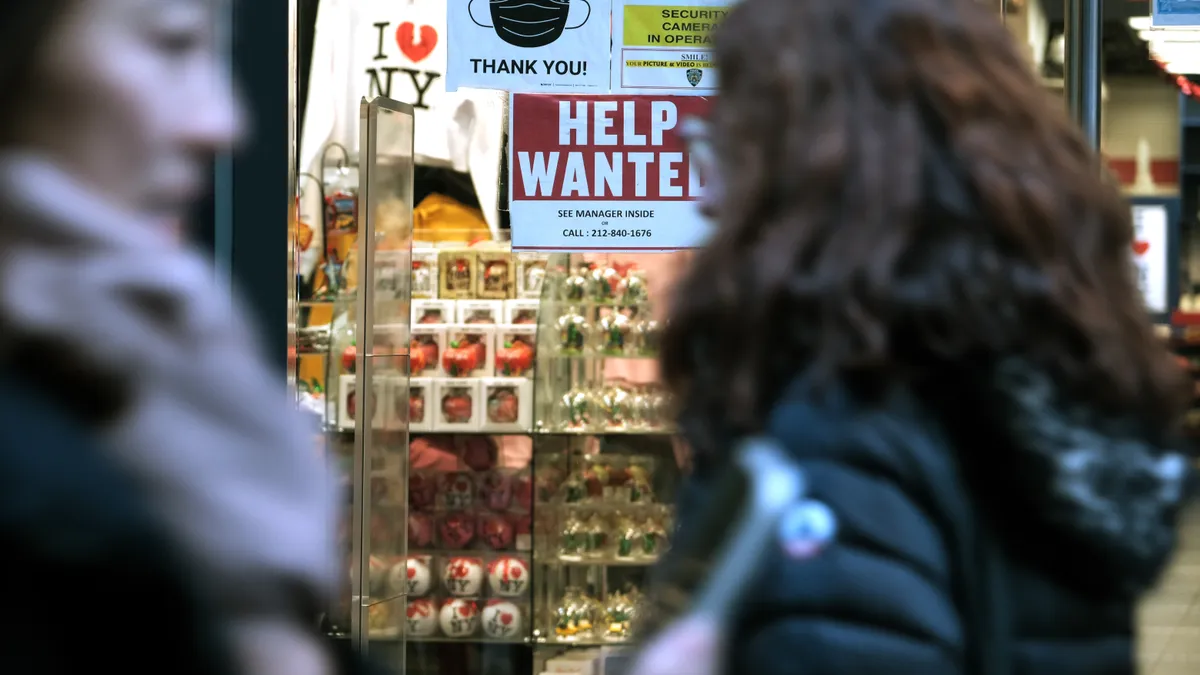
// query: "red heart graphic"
[[1140, 247], [515, 572], [465, 610], [416, 51], [412, 572], [506, 619]]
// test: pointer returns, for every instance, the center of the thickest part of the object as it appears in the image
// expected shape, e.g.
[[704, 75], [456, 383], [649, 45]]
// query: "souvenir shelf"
[[548, 464]]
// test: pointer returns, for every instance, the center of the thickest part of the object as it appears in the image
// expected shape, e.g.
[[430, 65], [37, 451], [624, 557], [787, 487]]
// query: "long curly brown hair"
[[901, 200]]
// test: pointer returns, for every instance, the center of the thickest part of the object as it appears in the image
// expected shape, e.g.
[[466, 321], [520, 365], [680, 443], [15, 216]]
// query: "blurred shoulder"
[[57, 480]]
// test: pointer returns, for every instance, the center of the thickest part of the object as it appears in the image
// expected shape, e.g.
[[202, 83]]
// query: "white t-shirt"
[[397, 49]]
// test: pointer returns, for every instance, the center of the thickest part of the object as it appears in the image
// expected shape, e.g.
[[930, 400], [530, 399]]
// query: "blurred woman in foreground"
[[921, 285], [162, 508]]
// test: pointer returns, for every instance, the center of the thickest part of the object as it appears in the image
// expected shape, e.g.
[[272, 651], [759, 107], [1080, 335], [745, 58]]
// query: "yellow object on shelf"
[[439, 218]]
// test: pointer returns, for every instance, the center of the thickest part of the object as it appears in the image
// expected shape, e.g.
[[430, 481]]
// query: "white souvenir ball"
[[501, 619], [411, 576], [378, 570], [463, 576], [508, 576], [422, 618], [459, 617]]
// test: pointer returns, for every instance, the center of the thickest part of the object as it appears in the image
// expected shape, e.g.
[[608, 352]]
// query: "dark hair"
[[901, 200], [23, 34]]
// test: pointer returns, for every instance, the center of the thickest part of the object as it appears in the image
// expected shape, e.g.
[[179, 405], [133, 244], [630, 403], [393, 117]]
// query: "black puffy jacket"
[[1021, 552]]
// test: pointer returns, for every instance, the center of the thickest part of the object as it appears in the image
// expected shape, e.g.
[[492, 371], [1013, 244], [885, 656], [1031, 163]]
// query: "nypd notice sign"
[[1175, 12]]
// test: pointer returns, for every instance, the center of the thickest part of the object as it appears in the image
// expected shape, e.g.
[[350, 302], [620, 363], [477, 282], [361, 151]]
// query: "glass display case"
[[352, 372], [542, 463]]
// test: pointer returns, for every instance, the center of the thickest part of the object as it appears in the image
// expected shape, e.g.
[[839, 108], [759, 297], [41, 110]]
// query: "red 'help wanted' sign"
[[603, 173]]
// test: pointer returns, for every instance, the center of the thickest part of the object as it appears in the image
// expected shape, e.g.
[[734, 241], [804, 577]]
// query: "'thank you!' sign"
[[529, 45]]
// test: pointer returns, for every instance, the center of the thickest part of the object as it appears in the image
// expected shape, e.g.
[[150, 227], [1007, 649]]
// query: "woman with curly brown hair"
[[920, 285]]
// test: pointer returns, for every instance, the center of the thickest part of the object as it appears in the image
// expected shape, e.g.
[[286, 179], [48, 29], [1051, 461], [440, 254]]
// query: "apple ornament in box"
[[421, 616], [508, 576], [523, 492], [514, 358], [497, 490], [416, 360], [496, 531], [459, 618], [420, 530], [458, 490], [503, 406], [463, 576], [422, 490], [457, 530], [416, 406], [460, 359], [479, 452], [411, 576], [349, 356], [428, 347], [457, 406], [501, 619]]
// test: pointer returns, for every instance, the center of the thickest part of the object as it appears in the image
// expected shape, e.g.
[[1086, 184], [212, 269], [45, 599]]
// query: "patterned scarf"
[[211, 431]]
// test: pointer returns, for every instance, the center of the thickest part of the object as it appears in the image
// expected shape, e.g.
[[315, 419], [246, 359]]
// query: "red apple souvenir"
[[420, 530], [479, 453], [508, 576], [503, 406], [416, 406], [431, 316], [416, 359], [457, 530], [458, 490], [428, 348], [501, 619], [459, 618], [349, 357], [456, 408], [422, 490], [522, 523], [480, 349], [523, 492], [496, 532], [421, 616], [514, 359], [351, 404], [460, 359], [463, 576], [496, 490]]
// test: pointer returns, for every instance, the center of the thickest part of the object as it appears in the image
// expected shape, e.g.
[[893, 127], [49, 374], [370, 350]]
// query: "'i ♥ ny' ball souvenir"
[[411, 576], [459, 618], [501, 619], [463, 576], [422, 617], [508, 576]]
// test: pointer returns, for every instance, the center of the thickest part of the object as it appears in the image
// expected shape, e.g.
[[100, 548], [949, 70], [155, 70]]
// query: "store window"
[[506, 447]]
